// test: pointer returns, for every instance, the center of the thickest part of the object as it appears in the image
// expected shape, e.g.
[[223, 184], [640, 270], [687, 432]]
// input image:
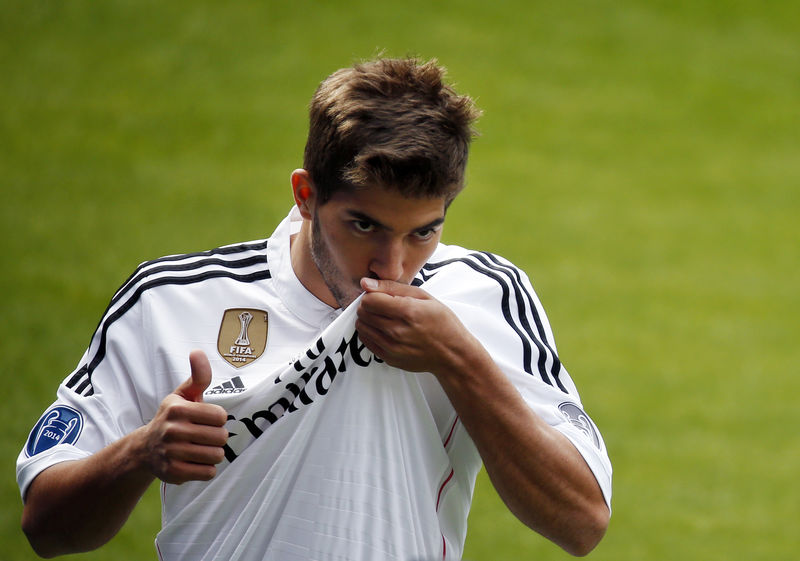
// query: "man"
[[345, 377]]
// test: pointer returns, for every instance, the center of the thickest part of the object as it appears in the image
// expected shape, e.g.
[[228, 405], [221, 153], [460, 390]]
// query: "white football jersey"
[[332, 454]]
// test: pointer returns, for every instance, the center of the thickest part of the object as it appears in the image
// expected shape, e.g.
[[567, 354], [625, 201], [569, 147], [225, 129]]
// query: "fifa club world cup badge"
[[242, 335], [59, 425]]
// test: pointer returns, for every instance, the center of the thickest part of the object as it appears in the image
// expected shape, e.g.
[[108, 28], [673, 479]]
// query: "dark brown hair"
[[391, 123]]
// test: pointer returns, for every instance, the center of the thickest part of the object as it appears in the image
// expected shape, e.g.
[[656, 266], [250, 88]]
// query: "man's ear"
[[304, 193]]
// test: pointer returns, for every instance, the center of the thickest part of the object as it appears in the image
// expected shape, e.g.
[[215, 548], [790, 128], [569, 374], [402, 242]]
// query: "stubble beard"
[[342, 292]]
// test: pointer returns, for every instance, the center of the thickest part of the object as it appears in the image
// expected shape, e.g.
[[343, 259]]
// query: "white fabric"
[[332, 455], [354, 474]]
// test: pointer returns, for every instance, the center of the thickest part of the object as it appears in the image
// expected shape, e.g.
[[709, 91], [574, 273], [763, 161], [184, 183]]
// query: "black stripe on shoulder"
[[154, 266], [188, 266], [224, 250], [168, 263], [509, 280], [512, 271], [81, 380], [527, 353]]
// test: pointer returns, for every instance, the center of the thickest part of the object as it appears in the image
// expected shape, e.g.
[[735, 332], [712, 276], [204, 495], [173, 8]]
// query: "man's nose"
[[388, 260]]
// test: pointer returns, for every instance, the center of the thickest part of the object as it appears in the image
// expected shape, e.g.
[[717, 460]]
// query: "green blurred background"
[[638, 158]]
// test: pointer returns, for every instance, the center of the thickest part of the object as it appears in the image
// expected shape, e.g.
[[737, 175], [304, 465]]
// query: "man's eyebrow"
[[432, 224], [358, 215]]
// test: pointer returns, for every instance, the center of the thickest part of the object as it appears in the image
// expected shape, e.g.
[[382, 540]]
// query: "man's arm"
[[182, 443], [537, 472]]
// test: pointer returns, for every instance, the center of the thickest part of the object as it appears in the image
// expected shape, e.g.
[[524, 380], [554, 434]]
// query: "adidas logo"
[[234, 385]]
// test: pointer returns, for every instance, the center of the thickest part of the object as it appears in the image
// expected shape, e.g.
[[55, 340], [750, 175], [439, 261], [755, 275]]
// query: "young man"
[[345, 378]]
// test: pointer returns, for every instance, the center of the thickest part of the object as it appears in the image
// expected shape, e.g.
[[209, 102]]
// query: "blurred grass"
[[638, 159]]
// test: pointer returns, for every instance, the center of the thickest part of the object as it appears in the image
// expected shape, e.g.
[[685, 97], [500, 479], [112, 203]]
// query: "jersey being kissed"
[[332, 454]]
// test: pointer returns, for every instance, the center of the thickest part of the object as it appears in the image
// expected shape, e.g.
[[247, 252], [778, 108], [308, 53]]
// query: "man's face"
[[376, 233]]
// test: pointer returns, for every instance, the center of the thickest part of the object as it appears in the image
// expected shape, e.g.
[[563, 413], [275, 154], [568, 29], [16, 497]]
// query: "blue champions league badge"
[[59, 425], [581, 420]]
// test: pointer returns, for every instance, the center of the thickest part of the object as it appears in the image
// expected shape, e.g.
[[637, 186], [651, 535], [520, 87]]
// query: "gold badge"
[[242, 335]]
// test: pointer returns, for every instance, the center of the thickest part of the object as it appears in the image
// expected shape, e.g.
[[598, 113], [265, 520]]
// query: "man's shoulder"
[[245, 261], [223, 252], [468, 265]]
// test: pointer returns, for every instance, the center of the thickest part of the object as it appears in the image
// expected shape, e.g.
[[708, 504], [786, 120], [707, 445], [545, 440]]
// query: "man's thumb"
[[192, 389]]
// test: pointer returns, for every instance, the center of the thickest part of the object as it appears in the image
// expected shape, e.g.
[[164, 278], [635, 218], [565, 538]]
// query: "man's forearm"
[[79, 505], [537, 472]]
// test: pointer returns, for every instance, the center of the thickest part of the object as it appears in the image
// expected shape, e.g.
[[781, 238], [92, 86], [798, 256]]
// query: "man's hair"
[[391, 123]]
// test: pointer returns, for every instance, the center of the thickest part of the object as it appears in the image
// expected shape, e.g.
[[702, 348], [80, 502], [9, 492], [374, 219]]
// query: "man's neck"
[[304, 267]]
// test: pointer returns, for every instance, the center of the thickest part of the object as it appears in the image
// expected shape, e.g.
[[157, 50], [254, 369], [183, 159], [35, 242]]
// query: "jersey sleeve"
[[496, 302], [100, 401]]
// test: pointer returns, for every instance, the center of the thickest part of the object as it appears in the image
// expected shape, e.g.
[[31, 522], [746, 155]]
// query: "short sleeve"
[[497, 303], [99, 402]]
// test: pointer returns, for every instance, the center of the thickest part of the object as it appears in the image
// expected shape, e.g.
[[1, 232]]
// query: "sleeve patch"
[[578, 418], [59, 425]]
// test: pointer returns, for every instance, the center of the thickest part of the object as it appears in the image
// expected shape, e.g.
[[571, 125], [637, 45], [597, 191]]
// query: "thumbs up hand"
[[184, 440]]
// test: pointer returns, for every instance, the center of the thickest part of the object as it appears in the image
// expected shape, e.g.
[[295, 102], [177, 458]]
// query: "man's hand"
[[184, 440], [410, 329]]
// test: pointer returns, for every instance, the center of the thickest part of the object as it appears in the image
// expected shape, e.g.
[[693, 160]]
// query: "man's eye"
[[425, 234], [363, 226]]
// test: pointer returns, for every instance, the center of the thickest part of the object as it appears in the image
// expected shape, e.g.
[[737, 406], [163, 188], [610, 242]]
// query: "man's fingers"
[[181, 471], [373, 338], [205, 434], [183, 450], [197, 454], [192, 389], [392, 288], [177, 408], [381, 304]]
